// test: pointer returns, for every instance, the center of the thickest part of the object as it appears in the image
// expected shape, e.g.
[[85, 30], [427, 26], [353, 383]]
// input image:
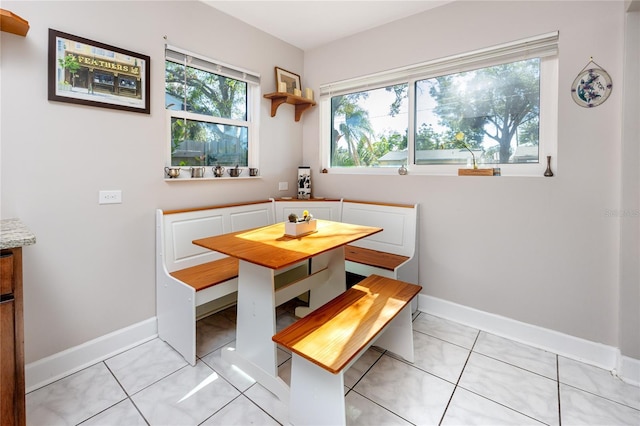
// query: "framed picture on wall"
[[287, 80], [87, 72]]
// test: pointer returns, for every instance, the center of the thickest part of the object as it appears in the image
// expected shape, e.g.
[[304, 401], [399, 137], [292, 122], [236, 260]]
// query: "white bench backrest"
[[399, 223], [250, 216], [178, 230], [326, 210], [181, 228]]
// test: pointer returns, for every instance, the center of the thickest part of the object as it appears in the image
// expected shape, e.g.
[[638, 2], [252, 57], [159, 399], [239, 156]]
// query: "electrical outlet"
[[283, 186], [110, 197]]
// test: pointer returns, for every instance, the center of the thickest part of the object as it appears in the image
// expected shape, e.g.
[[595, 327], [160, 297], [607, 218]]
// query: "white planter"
[[295, 229]]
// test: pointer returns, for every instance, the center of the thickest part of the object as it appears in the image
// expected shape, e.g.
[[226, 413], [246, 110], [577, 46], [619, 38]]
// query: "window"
[[212, 110], [496, 106], [490, 114], [368, 126]]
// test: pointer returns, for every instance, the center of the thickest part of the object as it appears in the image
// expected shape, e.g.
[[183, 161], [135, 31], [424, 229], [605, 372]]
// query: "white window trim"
[[543, 46], [254, 96]]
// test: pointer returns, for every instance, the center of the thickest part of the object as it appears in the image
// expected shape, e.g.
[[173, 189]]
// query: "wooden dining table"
[[263, 252]]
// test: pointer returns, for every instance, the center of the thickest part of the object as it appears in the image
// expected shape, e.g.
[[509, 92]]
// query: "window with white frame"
[[212, 111], [494, 107]]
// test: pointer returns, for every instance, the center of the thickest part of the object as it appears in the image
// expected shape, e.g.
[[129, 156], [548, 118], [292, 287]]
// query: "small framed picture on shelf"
[[287, 80], [304, 182]]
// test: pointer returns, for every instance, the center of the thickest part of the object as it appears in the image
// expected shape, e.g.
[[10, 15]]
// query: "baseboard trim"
[[597, 354], [47, 370], [629, 370]]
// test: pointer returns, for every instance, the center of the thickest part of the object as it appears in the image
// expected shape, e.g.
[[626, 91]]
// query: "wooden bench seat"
[[208, 274], [380, 259], [330, 339]]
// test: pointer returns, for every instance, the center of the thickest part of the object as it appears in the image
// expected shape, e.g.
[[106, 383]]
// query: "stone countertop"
[[14, 233]]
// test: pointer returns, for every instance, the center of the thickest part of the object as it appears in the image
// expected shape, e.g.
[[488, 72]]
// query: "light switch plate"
[[283, 186]]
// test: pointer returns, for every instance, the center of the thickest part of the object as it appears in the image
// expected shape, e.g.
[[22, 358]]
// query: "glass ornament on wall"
[[592, 86]]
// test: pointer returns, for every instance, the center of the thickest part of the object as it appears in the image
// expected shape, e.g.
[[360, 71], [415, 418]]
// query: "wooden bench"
[[192, 282], [391, 253], [374, 259], [325, 343], [201, 277]]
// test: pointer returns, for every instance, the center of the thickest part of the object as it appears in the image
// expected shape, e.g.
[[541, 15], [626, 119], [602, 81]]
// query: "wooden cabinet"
[[12, 386], [278, 98]]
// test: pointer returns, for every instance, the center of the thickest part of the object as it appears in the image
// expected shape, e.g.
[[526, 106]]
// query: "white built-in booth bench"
[[193, 282]]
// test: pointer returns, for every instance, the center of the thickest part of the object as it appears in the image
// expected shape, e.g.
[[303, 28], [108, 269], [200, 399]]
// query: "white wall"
[[91, 271], [630, 205], [542, 251], [538, 250]]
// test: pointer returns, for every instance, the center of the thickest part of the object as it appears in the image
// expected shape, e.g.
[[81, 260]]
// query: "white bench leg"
[[317, 396], [176, 311], [397, 337]]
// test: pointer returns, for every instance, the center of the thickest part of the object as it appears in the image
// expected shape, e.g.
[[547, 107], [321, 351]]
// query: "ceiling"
[[307, 24]]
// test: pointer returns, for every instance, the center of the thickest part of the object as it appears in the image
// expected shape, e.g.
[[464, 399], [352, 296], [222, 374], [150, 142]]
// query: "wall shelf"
[[209, 178], [12, 23], [279, 98]]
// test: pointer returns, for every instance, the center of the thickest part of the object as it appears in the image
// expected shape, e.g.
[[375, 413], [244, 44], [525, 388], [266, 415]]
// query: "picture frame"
[[291, 80], [87, 72]]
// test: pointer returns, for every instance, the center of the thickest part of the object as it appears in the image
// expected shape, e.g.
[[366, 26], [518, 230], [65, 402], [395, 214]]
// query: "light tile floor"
[[461, 376]]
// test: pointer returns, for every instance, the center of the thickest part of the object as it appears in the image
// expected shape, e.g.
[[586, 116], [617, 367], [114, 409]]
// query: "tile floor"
[[461, 376]]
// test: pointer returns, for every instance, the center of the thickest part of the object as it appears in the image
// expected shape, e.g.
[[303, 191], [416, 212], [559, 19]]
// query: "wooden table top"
[[270, 247]]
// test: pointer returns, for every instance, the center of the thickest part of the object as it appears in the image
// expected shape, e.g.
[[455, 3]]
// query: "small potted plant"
[[297, 226], [460, 139]]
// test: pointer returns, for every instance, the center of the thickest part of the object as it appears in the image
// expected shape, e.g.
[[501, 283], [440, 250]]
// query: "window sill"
[[209, 178], [506, 170]]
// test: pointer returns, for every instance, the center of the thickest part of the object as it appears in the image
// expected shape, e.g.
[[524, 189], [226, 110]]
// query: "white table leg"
[[255, 352], [317, 396], [334, 285]]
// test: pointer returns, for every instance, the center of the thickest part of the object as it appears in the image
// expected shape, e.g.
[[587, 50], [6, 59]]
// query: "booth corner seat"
[[188, 276], [193, 282], [391, 253]]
